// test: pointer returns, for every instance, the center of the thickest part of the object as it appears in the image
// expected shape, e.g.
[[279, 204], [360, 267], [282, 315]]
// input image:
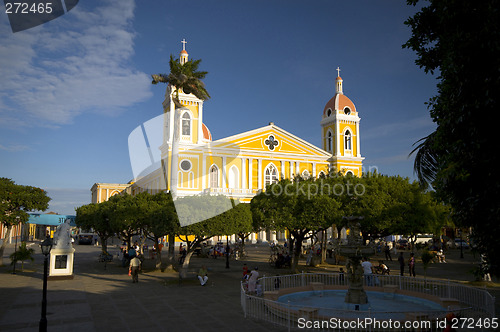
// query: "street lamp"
[[46, 246], [461, 244]]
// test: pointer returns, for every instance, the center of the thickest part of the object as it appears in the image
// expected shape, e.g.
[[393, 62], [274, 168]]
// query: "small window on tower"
[[347, 111], [329, 141], [329, 112], [186, 124]]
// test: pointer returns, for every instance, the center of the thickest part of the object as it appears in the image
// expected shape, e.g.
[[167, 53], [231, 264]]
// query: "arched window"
[[329, 141], [186, 124], [214, 177], [233, 177], [347, 140], [270, 175]]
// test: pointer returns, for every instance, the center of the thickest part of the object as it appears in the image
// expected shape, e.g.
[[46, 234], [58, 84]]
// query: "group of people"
[[252, 280], [411, 264], [369, 270]]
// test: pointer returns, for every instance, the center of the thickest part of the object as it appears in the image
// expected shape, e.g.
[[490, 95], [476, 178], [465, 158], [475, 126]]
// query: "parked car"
[[461, 243], [85, 238], [402, 244]]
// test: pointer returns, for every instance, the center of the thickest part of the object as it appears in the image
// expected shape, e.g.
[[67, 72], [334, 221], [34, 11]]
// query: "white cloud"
[[14, 147], [77, 63], [421, 124], [65, 200]]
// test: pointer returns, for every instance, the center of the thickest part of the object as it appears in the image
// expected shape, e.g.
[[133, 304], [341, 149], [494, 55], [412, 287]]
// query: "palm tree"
[[426, 159], [183, 77]]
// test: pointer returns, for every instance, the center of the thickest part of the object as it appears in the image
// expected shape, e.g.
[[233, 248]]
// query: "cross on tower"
[[338, 72], [184, 42]]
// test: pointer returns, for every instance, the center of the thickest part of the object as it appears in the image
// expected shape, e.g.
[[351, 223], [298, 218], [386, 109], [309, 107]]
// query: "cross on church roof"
[[184, 42], [338, 71]]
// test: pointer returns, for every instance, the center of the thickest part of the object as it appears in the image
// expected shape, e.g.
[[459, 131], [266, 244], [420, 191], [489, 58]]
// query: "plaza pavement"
[[103, 298]]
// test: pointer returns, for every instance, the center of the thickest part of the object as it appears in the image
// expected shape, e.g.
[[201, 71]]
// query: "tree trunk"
[[4, 243], [189, 254], [171, 247], [323, 246], [297, 250], [158, 262]]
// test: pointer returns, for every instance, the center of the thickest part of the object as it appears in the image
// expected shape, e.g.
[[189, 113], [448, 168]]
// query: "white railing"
[[474, 302], [231, 191]]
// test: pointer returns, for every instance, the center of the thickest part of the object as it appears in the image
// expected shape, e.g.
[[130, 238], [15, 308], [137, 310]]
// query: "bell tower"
[[340, 131]]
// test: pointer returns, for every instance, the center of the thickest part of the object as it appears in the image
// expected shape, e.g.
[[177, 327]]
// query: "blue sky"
[[73, 89]]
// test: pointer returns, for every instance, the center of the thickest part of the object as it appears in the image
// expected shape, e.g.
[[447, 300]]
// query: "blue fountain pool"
[[381, 305]]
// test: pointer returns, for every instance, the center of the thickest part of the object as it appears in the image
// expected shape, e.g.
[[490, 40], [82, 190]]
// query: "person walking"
[[252, 280], [134, 268], [367, 271], [411, 265], [387, 252], [401, 261]]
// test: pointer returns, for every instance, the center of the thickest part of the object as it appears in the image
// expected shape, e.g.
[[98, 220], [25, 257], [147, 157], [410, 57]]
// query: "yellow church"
[[241, 165]]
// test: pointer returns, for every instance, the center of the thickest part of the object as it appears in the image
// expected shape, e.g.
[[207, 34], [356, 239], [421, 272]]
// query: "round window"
[[185, 165], [347, 111], [329, 112]]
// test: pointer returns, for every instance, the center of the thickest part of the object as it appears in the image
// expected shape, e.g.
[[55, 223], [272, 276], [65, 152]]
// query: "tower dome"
[[340, 103]]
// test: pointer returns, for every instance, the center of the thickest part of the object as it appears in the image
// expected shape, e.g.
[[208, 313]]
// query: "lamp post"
[[46, 246], [15, 247], [461, 244]]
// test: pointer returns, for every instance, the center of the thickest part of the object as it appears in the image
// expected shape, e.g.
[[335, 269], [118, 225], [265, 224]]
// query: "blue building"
[[40, 225]]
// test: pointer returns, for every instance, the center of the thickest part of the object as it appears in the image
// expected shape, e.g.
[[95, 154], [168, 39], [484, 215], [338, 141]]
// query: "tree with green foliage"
[[426, 258], [22, 254], [460, 40], [299, 207], [160, 219], [15, 203], [126, 215], [415, 211], [217, 218], [96, 217], [183, 77]]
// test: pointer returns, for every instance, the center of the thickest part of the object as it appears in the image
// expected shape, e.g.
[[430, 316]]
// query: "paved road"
[[107, 300], [99, 299]]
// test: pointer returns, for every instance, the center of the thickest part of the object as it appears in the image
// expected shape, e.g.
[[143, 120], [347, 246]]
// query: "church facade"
[[241, 165]]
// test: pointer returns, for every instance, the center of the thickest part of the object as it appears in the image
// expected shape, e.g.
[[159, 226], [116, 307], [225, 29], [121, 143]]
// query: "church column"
[[250, 171], [314, 170], [358, 151], [338, 139], [223, 173], [272, 236], [200, 123], [171, 121], [243, 173], [297, 168], [262, 236], [282, 171], [259, 174], [203, 172]]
